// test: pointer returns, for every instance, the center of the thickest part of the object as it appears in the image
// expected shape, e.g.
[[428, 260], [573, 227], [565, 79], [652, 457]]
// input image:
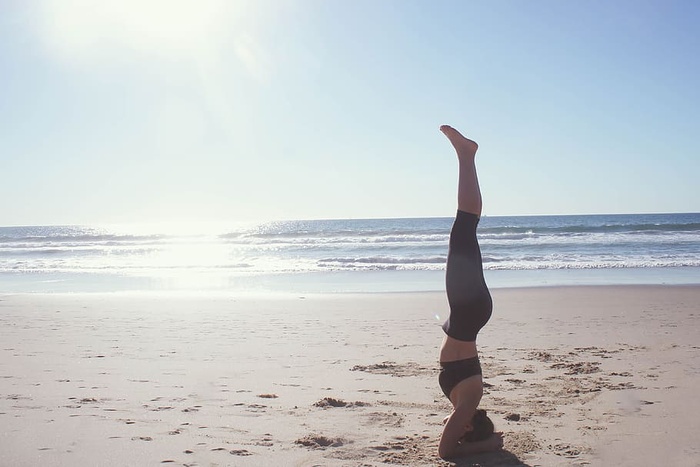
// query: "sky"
[[211, 110]]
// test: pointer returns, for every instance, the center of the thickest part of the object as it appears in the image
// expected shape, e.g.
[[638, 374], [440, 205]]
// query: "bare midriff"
[[454, 349]]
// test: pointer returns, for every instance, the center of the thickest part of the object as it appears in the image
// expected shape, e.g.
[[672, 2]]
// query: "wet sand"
[[574, 376]]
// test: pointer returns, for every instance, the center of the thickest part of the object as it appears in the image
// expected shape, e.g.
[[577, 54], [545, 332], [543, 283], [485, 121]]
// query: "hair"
[[482, 427]]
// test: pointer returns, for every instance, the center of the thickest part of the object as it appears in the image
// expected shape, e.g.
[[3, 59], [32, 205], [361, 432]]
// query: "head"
[[481, 427]]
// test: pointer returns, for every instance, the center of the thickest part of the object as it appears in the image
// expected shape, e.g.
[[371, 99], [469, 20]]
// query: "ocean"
[[350, 255]]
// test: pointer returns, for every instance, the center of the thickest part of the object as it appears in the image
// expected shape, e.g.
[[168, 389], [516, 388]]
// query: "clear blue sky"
[[142, 110]]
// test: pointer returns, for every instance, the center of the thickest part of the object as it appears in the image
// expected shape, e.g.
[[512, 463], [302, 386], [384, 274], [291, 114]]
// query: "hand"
[[495, 441]]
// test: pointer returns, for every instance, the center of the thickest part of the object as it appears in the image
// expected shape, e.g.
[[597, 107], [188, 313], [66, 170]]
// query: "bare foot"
[[464, 146]]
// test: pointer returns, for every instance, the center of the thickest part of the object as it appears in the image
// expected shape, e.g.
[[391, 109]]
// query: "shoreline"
[[335, 282], [287, 295]]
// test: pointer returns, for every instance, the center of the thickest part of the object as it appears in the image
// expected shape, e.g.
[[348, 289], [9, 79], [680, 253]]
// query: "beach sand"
[[574, 376]]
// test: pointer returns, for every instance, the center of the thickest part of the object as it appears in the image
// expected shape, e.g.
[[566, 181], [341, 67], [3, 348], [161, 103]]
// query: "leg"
[[468, 193], [467, 293]]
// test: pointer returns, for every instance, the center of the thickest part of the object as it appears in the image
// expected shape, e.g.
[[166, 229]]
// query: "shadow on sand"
[[501, 458]]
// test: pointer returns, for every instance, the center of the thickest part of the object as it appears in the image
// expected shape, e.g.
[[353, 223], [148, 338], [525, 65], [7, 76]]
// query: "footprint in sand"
[[266, 441], [579, 368], [162, 408], [319, 441], [240, 452], [408, 450], [395, 369], [521, 442], [17, 397], [327, 402], [567, 450], [392, 419], [256, 408], [387, 447]]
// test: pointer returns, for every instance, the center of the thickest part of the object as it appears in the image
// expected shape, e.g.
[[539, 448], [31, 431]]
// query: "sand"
[[574, 376]]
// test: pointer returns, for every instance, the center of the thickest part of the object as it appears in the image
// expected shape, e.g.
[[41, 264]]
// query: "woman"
[[467, 429]]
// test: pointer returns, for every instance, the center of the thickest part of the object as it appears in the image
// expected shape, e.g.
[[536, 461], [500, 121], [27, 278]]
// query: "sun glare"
[[79, 27]]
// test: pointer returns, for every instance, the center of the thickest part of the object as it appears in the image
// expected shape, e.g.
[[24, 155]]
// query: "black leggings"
[[467, 293]]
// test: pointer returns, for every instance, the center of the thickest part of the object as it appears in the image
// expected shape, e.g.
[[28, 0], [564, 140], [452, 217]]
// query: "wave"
[[82, 239], [122, 269], [74, 251], [384, 260], [559, 265], [581, 229], [339, 240], [574, 242], [340, 264]]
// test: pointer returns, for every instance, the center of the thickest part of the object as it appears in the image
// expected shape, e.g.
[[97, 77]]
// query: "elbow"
[[444, 453]]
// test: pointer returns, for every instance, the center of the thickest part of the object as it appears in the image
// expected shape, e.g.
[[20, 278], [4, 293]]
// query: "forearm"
[[468, 448], [473, 447]]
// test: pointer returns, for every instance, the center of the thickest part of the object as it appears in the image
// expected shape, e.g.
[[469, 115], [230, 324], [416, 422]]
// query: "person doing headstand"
[[467, 430]]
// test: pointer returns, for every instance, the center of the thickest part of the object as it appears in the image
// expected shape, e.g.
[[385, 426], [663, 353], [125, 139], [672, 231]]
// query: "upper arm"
[[471, 391], [454, 429]]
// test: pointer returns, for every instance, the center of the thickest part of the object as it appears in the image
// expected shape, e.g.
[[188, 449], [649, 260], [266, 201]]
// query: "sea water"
[[348, 255]]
